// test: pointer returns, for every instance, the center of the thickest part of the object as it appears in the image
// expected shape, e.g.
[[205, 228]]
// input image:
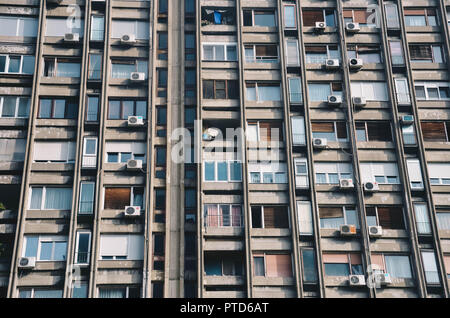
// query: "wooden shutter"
[[360, 16], [322, 127], [433, 131], [117, 198], [330, 212], [335, 258], [310, 17], [316, 49], [414, 12]]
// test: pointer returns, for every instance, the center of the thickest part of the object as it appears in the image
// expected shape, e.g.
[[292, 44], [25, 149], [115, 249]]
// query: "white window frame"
[[44, 189], [290, 4], [344, 209], [427, 85], [263, 226], [75, 261], [257, 99], [216, 162], [16, 111], [258, 132], [297, 57], [220, 216], [225, 46], [338, 172], [261, 173], [19, 21], [45, 239], [255, 57], [7, 62], [274, 11], [301, 161], [329, 56]]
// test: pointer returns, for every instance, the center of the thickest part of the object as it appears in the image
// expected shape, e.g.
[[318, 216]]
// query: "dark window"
[[160, 198], [117, 198], [220, 89]]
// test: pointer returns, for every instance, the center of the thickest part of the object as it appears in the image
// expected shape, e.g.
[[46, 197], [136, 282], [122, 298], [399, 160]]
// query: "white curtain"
[[319, 92], [423, 223], [398, 266], [431, 270], [269, 93], [58, 198], [443, 220], [112, 293], [36, 198]]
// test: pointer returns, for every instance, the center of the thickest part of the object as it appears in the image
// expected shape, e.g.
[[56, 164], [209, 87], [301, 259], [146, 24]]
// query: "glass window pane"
[[14, 64], [24, 107], [36, 198], [46, 251], [60, 251], [222, 171], [9, 106], [32, 246], [28, 64]]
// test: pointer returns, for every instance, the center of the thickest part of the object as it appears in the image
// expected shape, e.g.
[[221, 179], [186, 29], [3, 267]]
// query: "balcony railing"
[[261, 59], [223, 220]]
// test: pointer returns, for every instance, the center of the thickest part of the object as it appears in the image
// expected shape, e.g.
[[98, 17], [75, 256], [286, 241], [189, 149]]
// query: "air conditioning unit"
[[135, 120], [71, 37], [371, 186], [346, 183], [407, 119], [352, 27], [27, 262], [211, 134], [355, 64], [320, 26], [128, 39], [319, 142], [347, 230], [334, 100], [383, 278], [332, 64], [133, 164], [357, 280], [359, 101], [132, 211], [375, 231], [137, 77]]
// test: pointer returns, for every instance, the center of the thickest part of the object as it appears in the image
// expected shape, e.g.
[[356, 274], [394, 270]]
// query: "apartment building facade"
[[314, 138]]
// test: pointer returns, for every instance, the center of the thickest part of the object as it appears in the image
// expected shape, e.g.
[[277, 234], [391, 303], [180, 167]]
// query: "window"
[[320, 53], [422, 219], [12, 149], [218, 16], [119, 109], [259, 91], [420, 17], [219, 52], [119, 292], [118, 198], [267, 172], [160, 199], [80, 289], [162, 45], [272, 265], [89, 152], [87, 197], [54, 151], [295, 90], [227, 171], [14, 107], [435, 131], [47, 198], [372, 91], [415, 174], [332, 172], [40, 293], [361, 16], [220, 89], [17, 64], [396, 53], [158, 244], [342, 264], [95, 66], [380, 172], [334, 217], [319, 92], [298, 130], [332, 131], [310, 17], [305, 220], [392, 16], [124, 68], [301, 173], [409, 134], [270, 217], [140, 29], [439, 173], [61, 67], [190, 48], [83, 247], [443, 219], [426, 53], [190, 81], [264, 131], [309, 265], [432, 90], [160, 156], [368, 54], [97, 27], [223, 265], [430, 267], [261, 53], [398, 266], [390, 217], [223, 215], [402, 91], [290, 16], [92, 108], [56, 108], [59, 26], [292, 54], [45, 247], [259, 18], [121, 247], [447, 265], [18, 26]]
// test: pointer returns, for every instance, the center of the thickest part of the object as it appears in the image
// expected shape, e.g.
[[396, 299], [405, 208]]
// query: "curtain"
[[112, 293], [224, 215], [414, 20], [392, 16], [122, 70], [58, 198], [269, 92], [319, 92], [279, 265], [305, 217], [295, 90], [236, 216], [431, 270], [36, 198], [443, 220], [212, 215], [398, 266], [289, 16], [97, 28], [422, 220]]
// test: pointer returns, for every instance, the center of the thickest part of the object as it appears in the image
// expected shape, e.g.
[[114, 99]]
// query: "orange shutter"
[[279, 265]]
